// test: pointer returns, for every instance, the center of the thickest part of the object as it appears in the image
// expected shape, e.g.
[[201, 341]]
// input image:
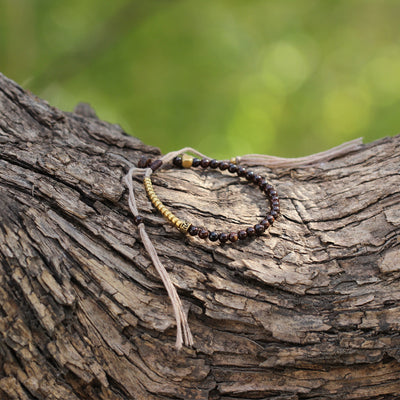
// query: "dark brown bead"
[[274, 214], [193, 230], [155, 165], [203, 233], [259, 229], [270, 219], [275, 198], [205, 162], [263, 183], [268, 189], [232, 168], [275, 204], [138, 220], [250, 231], [276, 208], [241, 171], [144, 162], [265, 223], [214, 164], [196, 162], [223, 237], [257, 179], [213, 236], [177, 161], [249, 175], [223, 165], [242, 234], [272, 192], [233, 237]]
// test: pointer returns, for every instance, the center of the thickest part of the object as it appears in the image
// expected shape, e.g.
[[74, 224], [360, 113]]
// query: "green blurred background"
[[227, 77]]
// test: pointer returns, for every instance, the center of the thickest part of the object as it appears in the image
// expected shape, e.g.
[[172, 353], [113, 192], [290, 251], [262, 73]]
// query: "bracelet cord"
[[183, 334]]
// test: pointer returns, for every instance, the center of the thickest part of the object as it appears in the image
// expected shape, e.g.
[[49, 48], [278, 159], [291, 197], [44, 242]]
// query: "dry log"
[[310, 310]]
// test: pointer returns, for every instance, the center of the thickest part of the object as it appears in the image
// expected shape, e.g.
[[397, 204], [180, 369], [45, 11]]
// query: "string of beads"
[[186, 161]]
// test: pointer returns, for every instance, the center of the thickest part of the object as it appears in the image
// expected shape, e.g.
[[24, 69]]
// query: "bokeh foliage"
[[228, 77]]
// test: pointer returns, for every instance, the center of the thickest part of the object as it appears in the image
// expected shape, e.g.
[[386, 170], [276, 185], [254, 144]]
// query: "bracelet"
[[186, 161]]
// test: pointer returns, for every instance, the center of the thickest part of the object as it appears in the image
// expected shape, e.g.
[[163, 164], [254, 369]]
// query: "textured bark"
[[309, 310]]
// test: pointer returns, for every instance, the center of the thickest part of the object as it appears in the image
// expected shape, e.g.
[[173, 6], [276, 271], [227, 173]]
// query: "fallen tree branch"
[[309, 310]]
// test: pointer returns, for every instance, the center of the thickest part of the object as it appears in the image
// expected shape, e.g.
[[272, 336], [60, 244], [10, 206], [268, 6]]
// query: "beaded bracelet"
[[187, 161]]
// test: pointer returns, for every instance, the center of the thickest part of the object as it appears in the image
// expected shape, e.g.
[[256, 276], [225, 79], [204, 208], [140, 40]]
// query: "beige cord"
[[275, 162]]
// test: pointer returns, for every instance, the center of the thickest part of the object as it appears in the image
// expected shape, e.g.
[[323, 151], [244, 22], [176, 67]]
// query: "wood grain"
[[310, 310]]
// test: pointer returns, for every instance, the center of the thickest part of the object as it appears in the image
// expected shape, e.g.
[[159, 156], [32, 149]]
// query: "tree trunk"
[[310, 310]]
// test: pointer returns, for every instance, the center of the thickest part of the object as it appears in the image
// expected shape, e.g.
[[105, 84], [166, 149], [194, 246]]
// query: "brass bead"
[[187, 161], [167, 214], [184, 226], [233, 160], [174, 220]]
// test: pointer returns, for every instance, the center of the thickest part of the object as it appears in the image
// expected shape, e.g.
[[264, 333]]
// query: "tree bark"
[[310, 310]]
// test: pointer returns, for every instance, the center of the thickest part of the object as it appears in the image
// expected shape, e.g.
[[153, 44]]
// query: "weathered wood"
[[310, 310]]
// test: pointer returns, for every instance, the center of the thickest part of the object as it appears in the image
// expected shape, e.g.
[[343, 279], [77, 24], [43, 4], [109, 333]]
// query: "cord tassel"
[[182, 325], [183, 333]]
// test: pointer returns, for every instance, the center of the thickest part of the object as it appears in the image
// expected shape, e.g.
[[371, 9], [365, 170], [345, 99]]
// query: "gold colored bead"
[[184, 226], [187, 161], [233, 160]]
